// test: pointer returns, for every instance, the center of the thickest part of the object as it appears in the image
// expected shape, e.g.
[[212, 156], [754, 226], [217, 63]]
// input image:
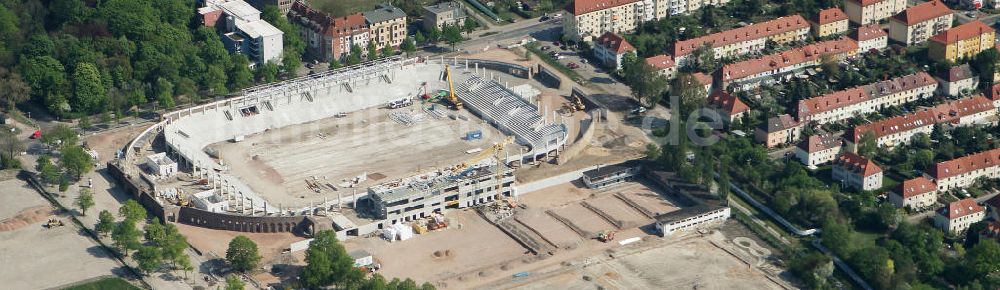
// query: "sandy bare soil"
[[269, 245], [26, 217], [108, 143]]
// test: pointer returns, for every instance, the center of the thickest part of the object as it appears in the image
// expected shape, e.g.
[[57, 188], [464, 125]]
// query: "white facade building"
[[161, 165], [957, 216], [691, 218]]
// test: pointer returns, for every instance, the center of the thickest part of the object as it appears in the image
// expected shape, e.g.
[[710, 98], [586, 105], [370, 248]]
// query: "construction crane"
[[451, 90], [494, 151]]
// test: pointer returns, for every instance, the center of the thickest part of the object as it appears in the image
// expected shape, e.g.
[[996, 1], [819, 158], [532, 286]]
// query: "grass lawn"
[[889, 183], [111, 283], [862, 239]]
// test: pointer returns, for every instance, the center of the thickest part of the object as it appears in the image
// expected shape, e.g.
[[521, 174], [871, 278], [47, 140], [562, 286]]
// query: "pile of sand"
[[26, 217]]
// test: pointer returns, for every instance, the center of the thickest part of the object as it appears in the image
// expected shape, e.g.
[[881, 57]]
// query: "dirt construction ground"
[[33, 257]]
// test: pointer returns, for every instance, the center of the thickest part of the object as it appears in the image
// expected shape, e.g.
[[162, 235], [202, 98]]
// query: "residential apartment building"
[[283, 5], [664, 64], [957, 80], [691, 218], [386, 26], [444, 13], [327, 37], [589, 19], [856, 171], [842, 105], [243, 30], [818, 149], [957, 216], [417, 197], [960, 42], [866, 12], [829, 21], [690, 6], [963, 171], [916, 193], [728, 106], [870, 37], [918, 23], [611, 48], [777, 131], [745, 40], [769, 69], [901, 129]]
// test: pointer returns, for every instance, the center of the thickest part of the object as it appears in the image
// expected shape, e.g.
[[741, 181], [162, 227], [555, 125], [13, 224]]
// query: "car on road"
[[543, 18]]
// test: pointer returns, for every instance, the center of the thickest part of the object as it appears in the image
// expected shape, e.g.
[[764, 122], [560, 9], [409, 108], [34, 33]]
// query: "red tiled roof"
[[994, 92], [660, 62], [703, 78], [328, 25], [957, 73], [782, 122], [900, 84], [831, 101], [869, 32], [892, 125], [916, 186], [858, 164], [922, 12], [727, 102], [866, 2], [578, 7], [615, 43], [955, 110], [816, 143], [829, 15], [750, 32], [786, 58], [962, 32], [965, 164], [961, 208]]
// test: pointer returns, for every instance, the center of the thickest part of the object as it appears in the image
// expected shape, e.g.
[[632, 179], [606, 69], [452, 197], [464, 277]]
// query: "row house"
[[963, 41], [745, 40], [688, 6], [589, 19], [842, 105], [957, 80], [828, 22], [956, 217], [611, 48], [918, 23], [856, 171], [963, 171], [866, 12], [327, 37], [663, 64], [870, 37], [818, 149], [916, 193], [778, 130], [387, 26], [728, 106], [769, 69], [901, 129]]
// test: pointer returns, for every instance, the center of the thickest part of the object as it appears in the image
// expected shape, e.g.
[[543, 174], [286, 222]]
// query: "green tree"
[[703, 59], [984, 257], [165, 93], [470, 25], [419, 38], [60, 136], [294, 47], [13, 89], [268, 72], [215, 79], [132, 210], [689, 90], [174, 245], [105, 222], [335, 64], [867, 146], [433, 35], [47, 78], [156, 233], [10, 147], [327, 263], [148, 258], [84, 201], [985, 64], [64, 12], [242, 254], [89, 94], [647, 85], [388, 51], [240, 75], [837, 237], [76, 161], [126, 236], [234, 282], [652, 151], [452, 35], [372, 51], [408, 45]]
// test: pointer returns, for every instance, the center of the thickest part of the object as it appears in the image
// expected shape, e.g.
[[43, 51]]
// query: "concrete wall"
[[510, 68], [587, 127], [548, 78]]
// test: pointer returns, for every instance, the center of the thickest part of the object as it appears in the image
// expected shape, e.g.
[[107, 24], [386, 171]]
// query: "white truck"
[[404, 102]]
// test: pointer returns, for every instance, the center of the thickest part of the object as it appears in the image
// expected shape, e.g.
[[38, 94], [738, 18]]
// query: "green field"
[[112, 283]]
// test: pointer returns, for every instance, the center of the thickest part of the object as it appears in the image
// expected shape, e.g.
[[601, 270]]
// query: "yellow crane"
[[451, 90], [497, 153]]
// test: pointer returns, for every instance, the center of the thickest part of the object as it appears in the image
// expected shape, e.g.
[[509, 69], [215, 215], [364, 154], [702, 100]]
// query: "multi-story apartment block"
[[386, 25], [689, 6], [769, 69], [842, 105], [283, 5], [916, 193], [745, 40], [963, 171], [956, 217], [901, 129], [918, 23], [778, 130], [728, 106], [866, 12], [419, 196], [870, 37], [957, 80], [829, 22], [818, 149], [444, 13], [243, 30], [589, 19], [664, 64], [963, 41], [327, 37], [856, 171], [611, 48]]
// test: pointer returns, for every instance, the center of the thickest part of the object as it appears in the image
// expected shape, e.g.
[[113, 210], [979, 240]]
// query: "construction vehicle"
[[579, 103], [456, 104], [606, 236], [403, 102], [52, 223], [493, 151]]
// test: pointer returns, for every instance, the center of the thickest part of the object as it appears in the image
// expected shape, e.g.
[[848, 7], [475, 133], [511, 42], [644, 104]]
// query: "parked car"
[[557, 43], [543, 19], [560, 56], [584, 60], [545, 47], [572, 65]]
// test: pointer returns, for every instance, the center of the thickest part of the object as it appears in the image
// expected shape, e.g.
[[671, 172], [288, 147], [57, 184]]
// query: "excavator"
[[606, 236], [456, 104]]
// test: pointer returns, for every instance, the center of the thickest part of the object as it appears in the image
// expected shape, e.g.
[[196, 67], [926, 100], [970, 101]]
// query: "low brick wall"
[[548, 78]]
